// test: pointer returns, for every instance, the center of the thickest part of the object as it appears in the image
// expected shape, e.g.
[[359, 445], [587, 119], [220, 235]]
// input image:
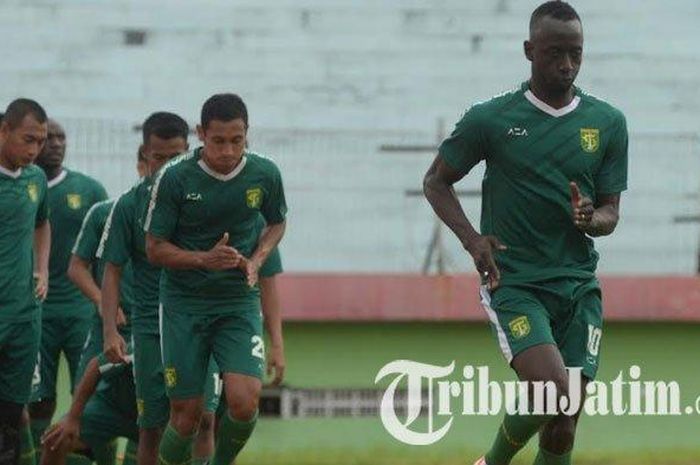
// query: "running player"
[[25, 238], [66, 314], [201, 226], [556, 163], [164, 136]]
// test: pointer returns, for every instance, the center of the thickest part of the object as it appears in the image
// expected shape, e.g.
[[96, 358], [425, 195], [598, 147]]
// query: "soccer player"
[[66, 313], [103, 409], [25, 238], [201, 227], [556, 163], [164, 136]]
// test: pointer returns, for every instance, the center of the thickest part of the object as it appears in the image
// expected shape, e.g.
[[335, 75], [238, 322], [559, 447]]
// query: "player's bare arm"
[[42, 247], [114, 344], [270, 237], [163, 253], [438, 189], [79, 272], [272, 317], [599, 219], [64, 436]]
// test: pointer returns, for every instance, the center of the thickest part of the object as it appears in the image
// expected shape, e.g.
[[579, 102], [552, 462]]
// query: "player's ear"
[[527, 48], [200, 132]]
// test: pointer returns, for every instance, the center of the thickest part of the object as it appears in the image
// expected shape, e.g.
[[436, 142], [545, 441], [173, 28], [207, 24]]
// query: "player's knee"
[[559, 434], [185, 416], [43, 409], [206, 425], [245, 409]]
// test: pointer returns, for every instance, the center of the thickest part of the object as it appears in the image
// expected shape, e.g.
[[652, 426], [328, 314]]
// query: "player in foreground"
[[25, 239], [201, 229], [66, 313], [556, 162], [123, 243]]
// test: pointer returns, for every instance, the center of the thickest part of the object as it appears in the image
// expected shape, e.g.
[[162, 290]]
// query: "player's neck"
[[5, 163], [554, 98], [224, 171], [52, 171]]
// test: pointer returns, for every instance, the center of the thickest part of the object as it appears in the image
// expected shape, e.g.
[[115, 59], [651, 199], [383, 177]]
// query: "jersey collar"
[[13, 174], [550, 110], [219, 176], [55, 181]]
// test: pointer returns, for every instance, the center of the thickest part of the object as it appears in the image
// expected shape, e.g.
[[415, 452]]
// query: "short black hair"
[[21, 107], [223, 107], [554, 9], [165, 125]]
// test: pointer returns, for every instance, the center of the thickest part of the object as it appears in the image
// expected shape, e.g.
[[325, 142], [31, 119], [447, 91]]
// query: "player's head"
[[555, 46], [22, 132], [54, 151], [164, 137], [223, 129], [141, 167]]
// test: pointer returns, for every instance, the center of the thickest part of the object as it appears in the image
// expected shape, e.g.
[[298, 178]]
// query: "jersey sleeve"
[[465, 147], [612, 174], [116, 241], [164, 207], [42, 213], [274, 205], [273, 264], [88, 239], [110, 370]]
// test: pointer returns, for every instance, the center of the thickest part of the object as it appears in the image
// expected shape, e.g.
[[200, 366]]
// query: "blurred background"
[[350, 98]]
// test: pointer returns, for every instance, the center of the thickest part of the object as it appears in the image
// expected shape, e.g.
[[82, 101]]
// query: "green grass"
[[340, 355]]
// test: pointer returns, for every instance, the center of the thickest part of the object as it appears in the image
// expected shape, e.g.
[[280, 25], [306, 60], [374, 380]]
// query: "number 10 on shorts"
[[594, 336]]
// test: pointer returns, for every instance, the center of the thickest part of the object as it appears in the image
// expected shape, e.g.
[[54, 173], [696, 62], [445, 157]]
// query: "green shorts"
[[58, 335], [565, 312], [233, 340], [152, 402], [102, 422], [19, 349]]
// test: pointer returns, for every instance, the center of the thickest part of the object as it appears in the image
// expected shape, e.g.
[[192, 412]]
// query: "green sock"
[[547, 458], [27, 451], [233, 435], [106, 454], [174, 449], [38, 426], [130, 453], [514, 433], [77, 459]]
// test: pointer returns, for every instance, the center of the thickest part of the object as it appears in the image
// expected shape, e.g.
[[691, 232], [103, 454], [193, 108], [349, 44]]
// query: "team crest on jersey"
[[590, 139], [33, 191], [170, 377], [140, 405], [74, 201], [519, 327], [253, 197]]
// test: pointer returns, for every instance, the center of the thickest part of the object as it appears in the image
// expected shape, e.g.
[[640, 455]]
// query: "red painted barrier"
[[408, 297]]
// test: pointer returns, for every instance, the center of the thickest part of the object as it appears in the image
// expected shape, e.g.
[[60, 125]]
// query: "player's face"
[[54, 151], [224, 143], [158, 152], [556, 50], [20, 146]]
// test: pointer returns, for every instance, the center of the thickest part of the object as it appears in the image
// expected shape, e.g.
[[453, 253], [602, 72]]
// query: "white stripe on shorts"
[[502, 338]]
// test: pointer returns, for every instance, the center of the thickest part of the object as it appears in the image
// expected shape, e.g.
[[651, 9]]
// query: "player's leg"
[[27, 450], [521, 325], [186, 356], [203, 448], [43, 401], [152, 401], [239, 352], [77, 331], [578, 337]]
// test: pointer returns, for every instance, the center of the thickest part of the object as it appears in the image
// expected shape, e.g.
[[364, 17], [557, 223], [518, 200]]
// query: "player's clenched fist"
[[115, 347], [222, 256], [481, 249], [582, 208]]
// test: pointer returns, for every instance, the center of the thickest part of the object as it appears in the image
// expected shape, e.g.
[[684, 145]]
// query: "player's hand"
[[276, 364], [481, 249], [582, 208], [41, 286], [65, 432], [115, 347], [222, 256], [121, 318], [251, 269]]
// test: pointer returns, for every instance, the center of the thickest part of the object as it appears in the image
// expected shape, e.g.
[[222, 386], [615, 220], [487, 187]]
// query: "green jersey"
[[532, 152], [87, 247], [71, 194], [193, 206], [116, 385], [124, 242], [23, 206]]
